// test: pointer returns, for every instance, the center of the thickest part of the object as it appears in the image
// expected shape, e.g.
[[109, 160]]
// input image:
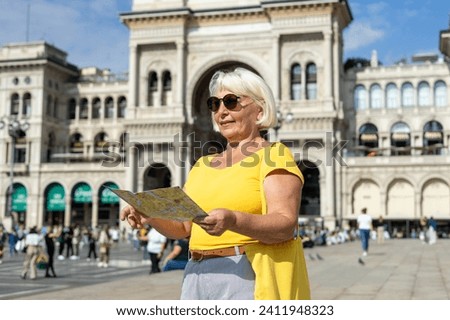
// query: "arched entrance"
[[310, 205], [108, 205], [157, 176], [81, 204], [55, 204], [18, 208]]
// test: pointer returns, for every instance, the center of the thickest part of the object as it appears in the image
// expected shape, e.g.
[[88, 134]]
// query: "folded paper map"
[[165, 203]]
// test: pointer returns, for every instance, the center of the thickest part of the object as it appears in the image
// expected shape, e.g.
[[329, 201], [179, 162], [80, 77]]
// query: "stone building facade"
[[347, 127]]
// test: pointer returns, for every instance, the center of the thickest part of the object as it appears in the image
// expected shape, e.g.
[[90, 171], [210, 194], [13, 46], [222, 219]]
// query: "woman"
[[50, 244], [251, 192], [104, 241], [32, 243], [92, 241]]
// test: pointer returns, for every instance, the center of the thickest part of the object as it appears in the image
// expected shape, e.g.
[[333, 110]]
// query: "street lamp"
[[280, 119], [16, 130]]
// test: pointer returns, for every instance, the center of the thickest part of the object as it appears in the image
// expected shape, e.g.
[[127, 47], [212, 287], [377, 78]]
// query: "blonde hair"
[[243, 82]]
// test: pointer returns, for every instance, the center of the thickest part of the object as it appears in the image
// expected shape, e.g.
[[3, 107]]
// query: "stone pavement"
[[394, 270]]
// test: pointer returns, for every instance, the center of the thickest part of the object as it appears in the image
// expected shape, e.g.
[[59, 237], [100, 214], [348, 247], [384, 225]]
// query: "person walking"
[[155, 247], [49, 237], [432, 231], [76, 240], [32, 243], [104, 241], [12, 241], [364, 226], [68, 236], [92, 241]]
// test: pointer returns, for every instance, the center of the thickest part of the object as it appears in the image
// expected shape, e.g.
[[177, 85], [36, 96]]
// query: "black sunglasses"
[[229, 101]]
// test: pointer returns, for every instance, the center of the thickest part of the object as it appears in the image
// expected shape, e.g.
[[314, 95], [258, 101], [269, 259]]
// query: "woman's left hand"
[[218, 221]]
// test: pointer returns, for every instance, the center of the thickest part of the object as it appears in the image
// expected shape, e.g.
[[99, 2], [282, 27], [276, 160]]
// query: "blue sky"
[[396, 29], [91, 33]]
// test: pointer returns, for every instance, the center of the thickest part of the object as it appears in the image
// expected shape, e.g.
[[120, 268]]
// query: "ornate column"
[[181, 72], [68, 210], [132, 82], [328, 67], [94, 217], [276, 63], [131, 169]]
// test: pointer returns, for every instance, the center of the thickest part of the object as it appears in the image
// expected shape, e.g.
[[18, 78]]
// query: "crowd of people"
[[58, 242]]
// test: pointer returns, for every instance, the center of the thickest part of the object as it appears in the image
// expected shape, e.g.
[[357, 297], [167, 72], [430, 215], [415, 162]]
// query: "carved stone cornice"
[[322, 123], [147, 131]]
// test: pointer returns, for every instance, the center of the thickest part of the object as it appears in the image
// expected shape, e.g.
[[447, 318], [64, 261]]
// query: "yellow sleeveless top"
[[237, 187]]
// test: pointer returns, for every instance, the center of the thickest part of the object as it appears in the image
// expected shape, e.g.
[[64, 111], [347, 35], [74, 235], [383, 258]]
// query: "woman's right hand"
[[134, 218]]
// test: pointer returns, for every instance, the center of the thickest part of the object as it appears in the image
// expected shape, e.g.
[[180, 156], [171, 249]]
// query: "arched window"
[[109, 108], [20, 151], [311, 82], [26, 104], [14, 104], [407, 95], [391, 96], [72, 109], [99, 141], [433, 137], [167, 81], [84, 109], [96, 108], [122, 107], [376, 96], [76, 143], [296, 82], [152, 87], [360, 97], [424, 94], [440, 94], [368, 136], [167, 87], [400, 138]]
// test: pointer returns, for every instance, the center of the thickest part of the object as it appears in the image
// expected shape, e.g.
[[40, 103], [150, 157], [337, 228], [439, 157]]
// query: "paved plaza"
[[394, 270]]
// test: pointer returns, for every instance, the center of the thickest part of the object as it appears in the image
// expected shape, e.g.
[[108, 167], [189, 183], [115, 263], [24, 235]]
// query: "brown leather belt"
[[199, 255]]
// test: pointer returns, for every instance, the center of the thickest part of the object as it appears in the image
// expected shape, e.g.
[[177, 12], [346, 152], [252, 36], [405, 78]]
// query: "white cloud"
[[361, 34]]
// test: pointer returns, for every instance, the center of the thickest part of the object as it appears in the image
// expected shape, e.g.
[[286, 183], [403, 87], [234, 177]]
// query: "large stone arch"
[[54, 204], [435, 199], [400, 201], [366, 193], [82, 199], [157, 175], [206, 69]]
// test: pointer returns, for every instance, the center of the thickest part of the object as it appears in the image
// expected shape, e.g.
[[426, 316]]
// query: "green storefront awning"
[[82, 193], [19, 198], [56, 198], [107, 196]]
